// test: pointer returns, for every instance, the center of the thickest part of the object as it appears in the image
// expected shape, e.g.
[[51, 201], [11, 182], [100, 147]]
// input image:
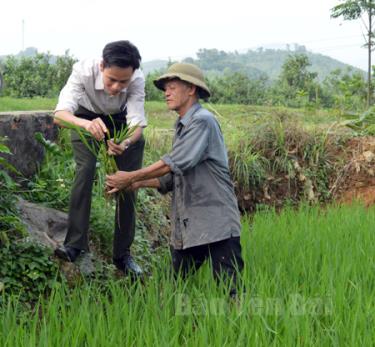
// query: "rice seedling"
[[308, 281], [99, 148]]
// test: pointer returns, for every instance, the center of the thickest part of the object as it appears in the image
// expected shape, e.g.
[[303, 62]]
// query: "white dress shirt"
[[85, 87]]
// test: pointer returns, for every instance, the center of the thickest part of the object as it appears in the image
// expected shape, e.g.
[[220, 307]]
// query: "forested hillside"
[[255, 63]]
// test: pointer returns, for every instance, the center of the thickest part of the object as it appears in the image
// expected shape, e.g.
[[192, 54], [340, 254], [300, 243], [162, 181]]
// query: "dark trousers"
[[225, 257], [80, 201]]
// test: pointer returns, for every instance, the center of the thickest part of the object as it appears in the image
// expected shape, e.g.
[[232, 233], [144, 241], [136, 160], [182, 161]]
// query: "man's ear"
[[101, 66], [193, 90]]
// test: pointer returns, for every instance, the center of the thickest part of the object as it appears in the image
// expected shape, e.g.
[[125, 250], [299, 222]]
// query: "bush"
[[36, 76], [25, 267], [278, 161], [26, 270]]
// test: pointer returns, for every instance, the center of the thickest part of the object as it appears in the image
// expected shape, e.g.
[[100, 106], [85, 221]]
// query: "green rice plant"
[[98, 148], [308, 281]]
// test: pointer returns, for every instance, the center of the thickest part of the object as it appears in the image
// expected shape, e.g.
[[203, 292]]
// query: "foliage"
[[36, 76], [238, 88], [362, 124], [50, 186], [232, 78], [26, 270], [261, 62], [345, 90], [296, 85], [274, 160], [153, 93], [355, 9], [10, 223], [25, 267], [352, 9]]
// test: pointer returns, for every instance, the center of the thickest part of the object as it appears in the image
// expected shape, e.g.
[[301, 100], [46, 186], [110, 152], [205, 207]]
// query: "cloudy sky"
[[175, 29]]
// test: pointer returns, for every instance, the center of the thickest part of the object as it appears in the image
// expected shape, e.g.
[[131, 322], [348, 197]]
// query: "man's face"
[[178, 94], [115, 78]]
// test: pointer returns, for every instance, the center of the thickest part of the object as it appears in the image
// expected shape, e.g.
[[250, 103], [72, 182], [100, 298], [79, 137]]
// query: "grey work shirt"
[[204, 206]]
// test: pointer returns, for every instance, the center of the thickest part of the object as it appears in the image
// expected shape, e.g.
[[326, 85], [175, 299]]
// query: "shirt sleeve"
[[72, 92], [136, 102], [166, 183], [189, 149]]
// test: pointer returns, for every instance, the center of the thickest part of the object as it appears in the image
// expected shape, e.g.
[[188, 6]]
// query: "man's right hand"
[[96, 128]]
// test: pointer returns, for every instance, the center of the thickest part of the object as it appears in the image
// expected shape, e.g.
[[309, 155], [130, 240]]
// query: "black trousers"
[[80, 200], [225, 257]]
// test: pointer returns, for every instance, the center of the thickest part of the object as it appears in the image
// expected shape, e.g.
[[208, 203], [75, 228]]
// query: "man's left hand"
[[117, 149], [118, 181]]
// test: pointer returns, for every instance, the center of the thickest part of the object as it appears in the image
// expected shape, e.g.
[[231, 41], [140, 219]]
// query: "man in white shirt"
[[112, 86]]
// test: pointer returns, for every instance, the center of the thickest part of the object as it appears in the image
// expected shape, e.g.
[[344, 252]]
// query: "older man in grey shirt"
[[206, 221]]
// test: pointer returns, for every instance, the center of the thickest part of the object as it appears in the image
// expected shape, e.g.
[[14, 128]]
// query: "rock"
[[20, 128], [48, 227], [45, 225]]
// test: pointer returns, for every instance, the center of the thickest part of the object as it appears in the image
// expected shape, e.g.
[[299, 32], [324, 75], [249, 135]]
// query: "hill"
[[266, 62], [256, 63]]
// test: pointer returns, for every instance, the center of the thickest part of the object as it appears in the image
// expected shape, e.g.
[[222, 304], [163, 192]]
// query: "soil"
[[356, 180], [353, 180]]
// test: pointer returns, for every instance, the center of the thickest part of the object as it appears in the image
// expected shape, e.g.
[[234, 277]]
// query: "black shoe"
[[130, 267], [67, 253]]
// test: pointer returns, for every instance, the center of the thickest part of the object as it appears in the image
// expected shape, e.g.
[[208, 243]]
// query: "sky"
[[175, 29]]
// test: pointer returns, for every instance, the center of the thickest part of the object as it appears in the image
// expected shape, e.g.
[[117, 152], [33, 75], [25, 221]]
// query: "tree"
[[237, 88], [36, 75], [152, 93], [355, 9], [345, 89], [296, 84]]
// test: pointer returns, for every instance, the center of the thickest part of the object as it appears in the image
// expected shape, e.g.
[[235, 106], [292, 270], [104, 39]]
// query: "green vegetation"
[[27, 104], [36, 76], [231, 76], [25, 266], [360, 9], [302, 288], [297, 84], [255, 63], [308, 278]]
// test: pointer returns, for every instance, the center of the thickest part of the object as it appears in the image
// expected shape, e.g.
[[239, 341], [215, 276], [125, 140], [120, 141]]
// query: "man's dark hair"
[[121, 54]]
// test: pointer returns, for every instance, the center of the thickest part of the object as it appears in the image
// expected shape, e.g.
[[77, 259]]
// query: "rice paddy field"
[[308, 279]]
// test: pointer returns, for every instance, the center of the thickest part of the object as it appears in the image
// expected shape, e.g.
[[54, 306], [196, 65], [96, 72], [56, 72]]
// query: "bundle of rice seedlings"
[[99, 147]]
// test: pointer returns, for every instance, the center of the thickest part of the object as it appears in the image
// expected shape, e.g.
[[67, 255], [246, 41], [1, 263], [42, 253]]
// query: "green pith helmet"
[[188, 73]]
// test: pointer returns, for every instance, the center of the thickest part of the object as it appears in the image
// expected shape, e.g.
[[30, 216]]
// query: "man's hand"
[[118, 181], [117, 149], [97, 128]]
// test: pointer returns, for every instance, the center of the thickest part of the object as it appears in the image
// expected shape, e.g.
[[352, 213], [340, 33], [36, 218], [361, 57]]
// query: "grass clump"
[[274, 160]]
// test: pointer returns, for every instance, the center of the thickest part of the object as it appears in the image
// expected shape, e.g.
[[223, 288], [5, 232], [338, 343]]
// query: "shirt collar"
[[99, 85], [186, 118]]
